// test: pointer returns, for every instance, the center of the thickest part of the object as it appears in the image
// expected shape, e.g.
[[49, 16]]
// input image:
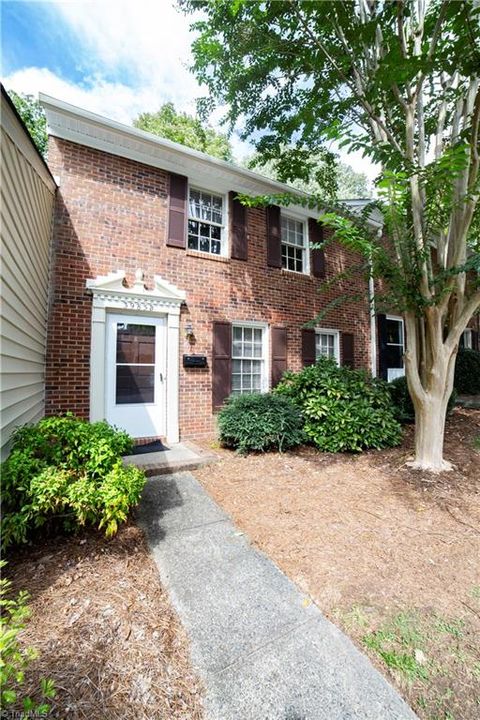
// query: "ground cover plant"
[[343, 409], [260, 422], [15, 658], [63, 473]]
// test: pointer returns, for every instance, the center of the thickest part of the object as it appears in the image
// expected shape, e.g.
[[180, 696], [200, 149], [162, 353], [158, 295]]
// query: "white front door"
[[135, 374]]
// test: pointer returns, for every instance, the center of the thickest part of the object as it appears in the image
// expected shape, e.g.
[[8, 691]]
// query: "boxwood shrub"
[[467, 372], [402, 401], [343, 409], [260, 422], [65, 472]]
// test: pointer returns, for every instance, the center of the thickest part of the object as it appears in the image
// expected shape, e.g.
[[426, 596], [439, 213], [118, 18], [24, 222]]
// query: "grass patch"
[[430, 656]]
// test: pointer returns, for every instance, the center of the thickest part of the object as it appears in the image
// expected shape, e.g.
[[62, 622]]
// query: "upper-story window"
[[206, 222], [294, 244]]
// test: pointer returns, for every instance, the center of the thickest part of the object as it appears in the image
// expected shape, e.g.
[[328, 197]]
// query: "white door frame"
[[152, 414], [111, 294]]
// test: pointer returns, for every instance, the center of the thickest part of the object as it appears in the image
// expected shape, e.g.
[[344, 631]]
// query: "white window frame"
[[306, 242], [467, 338], [336, 342], [224, 238], [265, 378]]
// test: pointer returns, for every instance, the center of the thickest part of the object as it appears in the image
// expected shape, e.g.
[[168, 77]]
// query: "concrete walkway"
[[263, 650], [179, 456]]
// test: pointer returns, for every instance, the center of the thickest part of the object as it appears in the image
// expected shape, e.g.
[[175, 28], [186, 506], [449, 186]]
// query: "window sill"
[[207, 256], [297, 273]]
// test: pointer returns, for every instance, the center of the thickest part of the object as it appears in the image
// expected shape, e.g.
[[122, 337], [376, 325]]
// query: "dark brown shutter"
[[177, 211], [274, 243], [279, 354], [348, 356], [308, 347], [221, 363], [382, 346], [315, 235], [238, 227], [475, 340]]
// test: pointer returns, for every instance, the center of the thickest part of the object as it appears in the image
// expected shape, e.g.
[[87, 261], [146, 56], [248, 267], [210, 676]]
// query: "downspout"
[[373, 317]]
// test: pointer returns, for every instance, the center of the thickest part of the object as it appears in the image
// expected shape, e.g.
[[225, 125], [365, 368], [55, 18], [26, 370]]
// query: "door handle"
[[160, 377]]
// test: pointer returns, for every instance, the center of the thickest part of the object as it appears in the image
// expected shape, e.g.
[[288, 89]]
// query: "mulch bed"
[[367, 533], [105, 629]]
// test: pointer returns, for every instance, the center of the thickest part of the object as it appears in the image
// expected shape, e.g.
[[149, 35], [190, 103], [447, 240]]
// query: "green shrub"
[[402, 402], [67, 472], [260, 422], [343, 409], [467, 372], [14, 658]]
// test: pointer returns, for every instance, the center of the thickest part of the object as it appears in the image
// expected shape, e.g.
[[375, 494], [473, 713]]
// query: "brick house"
[[167, 294]]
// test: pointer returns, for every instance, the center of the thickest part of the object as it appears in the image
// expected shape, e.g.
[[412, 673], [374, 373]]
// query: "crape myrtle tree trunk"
[[399, 81]]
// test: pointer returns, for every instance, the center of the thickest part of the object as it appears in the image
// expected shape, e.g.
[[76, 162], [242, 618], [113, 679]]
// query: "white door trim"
[[111, 294]]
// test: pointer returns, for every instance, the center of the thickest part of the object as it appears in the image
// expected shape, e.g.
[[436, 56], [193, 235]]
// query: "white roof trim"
[[110, 291], [72, 123]]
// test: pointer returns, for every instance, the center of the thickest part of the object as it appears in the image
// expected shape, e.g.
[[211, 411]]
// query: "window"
[[466, 339], [327, 343], [395, 347], [206, 222], [294, 242], [248, 359]]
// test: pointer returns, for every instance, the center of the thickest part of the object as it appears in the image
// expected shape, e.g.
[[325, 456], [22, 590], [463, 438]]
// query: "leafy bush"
[[402, 402], [260, 422], [343, 409], [67, 471], [467, 372], [14, 658]]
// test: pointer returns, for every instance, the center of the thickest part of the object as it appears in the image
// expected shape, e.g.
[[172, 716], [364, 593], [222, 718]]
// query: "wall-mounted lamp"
[[189, 332]]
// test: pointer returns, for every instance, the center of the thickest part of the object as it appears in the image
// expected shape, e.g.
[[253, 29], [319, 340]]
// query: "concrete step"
[[181, 456]]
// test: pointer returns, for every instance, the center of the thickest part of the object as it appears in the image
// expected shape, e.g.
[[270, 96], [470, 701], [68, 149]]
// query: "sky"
[[117, 58]]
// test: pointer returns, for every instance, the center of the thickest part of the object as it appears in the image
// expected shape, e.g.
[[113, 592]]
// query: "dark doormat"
[[155, 446]]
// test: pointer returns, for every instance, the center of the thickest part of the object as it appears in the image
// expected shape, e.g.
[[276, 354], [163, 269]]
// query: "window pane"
[[204, 244], [237, 333], [204, 230], [193, 242], [215, 247], [215, 232], [394, 334], [135, 384], [248, 334], [135, 343]]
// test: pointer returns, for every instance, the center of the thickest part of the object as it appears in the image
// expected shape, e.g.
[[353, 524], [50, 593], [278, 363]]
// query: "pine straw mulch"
[[377, 544], [105, 629]]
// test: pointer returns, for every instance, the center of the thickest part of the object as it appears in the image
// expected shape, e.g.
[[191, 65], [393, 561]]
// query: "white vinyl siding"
[[26, 218]]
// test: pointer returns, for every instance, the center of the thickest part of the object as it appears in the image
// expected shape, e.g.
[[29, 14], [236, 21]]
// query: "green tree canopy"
[[399, 81], [33, 116], [337, 178], [186, 130]]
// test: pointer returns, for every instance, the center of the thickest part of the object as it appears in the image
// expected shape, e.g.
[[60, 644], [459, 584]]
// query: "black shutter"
[[348, 353], [475, 340], [274, 243], [308, 347], [279, 354], [382, 346], [315, 233], [238, 227], [177, 211], [221, 363]]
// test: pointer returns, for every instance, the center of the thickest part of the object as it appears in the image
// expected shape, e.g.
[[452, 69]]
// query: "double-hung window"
[[248, 359], [294, 244], [327, 344], [206, 222]]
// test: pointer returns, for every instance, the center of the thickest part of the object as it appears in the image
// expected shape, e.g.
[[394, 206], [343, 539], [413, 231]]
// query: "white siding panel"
[[28, 193]]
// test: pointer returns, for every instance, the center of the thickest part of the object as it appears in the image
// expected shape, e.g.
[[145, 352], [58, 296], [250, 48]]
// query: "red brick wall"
[[111, 214]]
